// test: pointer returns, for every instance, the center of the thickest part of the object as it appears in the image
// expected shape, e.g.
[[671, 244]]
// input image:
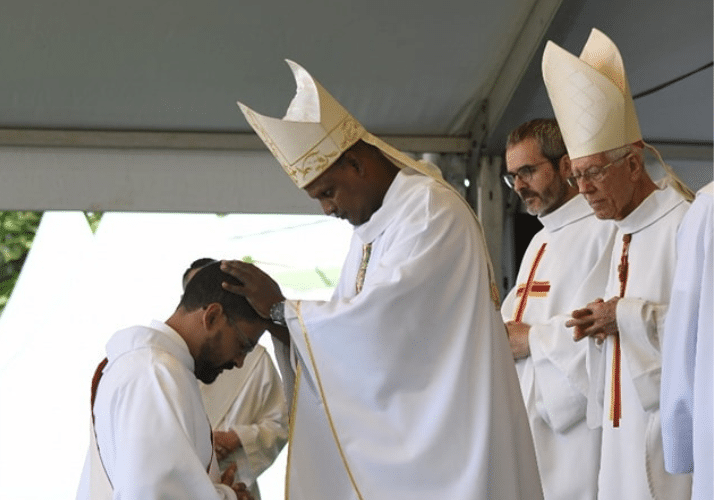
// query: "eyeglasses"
[[593, 174], [524, 174], [247, 345]]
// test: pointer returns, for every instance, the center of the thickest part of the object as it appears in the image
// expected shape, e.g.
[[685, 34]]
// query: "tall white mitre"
[[316, 130], [591, 96]]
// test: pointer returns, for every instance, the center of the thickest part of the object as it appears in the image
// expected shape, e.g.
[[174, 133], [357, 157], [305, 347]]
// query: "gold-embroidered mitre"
[[316, 130], [590, 96]]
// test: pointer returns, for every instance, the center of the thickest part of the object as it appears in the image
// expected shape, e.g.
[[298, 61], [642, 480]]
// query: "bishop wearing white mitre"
[[593, 105], [405, 387]]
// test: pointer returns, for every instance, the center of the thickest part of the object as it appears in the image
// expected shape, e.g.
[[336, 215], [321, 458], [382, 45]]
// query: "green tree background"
[[17, 232]]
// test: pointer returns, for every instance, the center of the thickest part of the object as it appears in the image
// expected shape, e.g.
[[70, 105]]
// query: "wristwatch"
[[277, 313]]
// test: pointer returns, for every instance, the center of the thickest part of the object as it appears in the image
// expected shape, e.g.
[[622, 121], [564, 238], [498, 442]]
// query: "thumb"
[[229, 474]]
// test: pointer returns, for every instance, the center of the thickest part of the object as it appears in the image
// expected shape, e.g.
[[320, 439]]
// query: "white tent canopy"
[[131, 105]]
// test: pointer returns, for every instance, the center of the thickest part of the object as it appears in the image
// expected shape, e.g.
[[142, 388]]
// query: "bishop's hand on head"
[[260, 290]]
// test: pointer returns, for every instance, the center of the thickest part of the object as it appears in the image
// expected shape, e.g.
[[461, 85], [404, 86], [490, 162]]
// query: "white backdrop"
[[76, 289]]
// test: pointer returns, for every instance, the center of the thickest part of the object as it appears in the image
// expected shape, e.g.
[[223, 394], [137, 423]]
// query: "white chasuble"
[[152, 432], [251, 402], [407, 390], [565, 266], [632, 464], [687, 405]]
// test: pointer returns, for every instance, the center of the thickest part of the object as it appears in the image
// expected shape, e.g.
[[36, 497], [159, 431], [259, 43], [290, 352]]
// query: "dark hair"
[[546, 133], [362, 148], [205, 288], [196, 264]]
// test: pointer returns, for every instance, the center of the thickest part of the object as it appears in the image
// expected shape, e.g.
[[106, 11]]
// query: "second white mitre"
[[591, 96]]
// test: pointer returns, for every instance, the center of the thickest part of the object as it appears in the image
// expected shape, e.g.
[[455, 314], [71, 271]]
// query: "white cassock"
[[153, 434], [687, 405], [565, 265], [632, 465], [407, 390], [250, 401]]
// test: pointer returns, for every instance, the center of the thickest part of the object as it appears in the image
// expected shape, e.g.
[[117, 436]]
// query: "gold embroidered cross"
[[362, 272]]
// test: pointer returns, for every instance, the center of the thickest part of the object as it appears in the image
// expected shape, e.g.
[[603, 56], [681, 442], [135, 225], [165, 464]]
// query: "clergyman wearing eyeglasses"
[[150, 437], [624, 326], [565, 265], [247, 410]]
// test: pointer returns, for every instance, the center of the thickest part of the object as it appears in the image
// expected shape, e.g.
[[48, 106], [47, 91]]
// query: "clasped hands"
[[240, 489], [598, 320]]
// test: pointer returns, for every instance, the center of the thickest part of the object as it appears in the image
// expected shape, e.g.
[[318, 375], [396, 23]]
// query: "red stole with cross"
[[616, 390], [531, 288]]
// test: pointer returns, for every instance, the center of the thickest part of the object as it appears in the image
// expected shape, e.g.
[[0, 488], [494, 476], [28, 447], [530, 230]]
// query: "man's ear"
[[352, 160], [211, 314], [564, 165], [636, 166]]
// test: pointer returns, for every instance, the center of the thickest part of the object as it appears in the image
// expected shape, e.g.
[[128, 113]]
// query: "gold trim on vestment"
[[291, 427], [324, 402], [362, 271], [320, 156]]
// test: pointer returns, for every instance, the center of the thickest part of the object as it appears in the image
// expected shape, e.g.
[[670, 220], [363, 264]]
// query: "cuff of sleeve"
[[225, 492], [560, 404], [637, 325], [553, 343], [290, 309], [249, 446]]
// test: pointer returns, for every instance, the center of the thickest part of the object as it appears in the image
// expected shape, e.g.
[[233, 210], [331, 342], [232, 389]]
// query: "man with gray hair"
[[594, 107], [551, 282]]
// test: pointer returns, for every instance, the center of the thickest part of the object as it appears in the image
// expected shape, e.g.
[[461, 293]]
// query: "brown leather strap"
[[95, 382]]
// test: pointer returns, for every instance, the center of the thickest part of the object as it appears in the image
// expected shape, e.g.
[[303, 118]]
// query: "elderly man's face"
[[343, 192], [541, 187], [608, 190]]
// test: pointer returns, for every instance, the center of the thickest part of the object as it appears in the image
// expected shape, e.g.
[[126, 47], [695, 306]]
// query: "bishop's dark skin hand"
[[259, 289]]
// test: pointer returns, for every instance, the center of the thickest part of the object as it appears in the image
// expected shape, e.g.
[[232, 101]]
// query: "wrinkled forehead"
[[582, 164]]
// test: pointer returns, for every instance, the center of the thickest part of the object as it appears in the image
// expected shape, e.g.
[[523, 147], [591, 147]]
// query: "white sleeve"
[[640, 324], [560, 373], [265, 433], [688, 318], [151, 436]]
